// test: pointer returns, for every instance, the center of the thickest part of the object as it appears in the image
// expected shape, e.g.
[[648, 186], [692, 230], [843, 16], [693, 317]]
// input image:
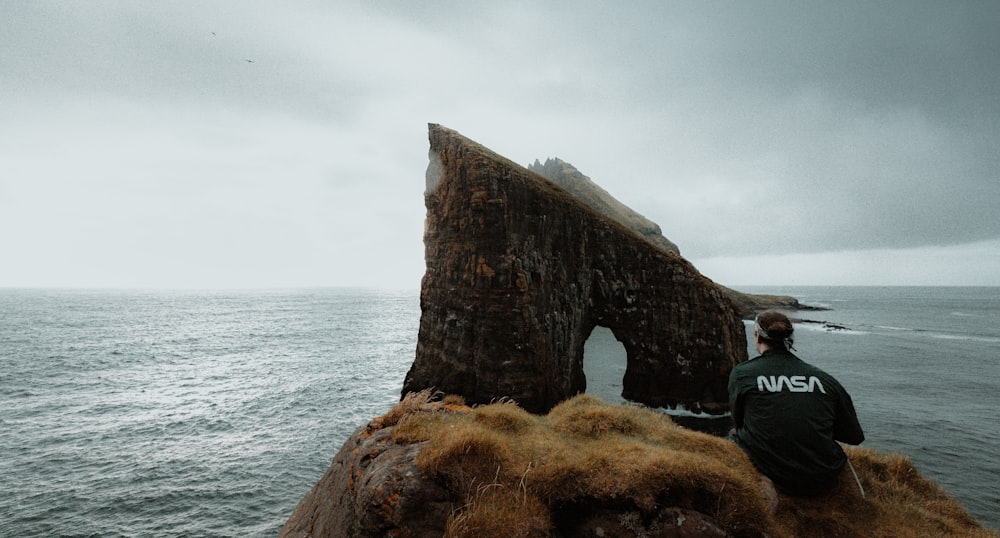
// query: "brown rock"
[[519, 272], [670, 522], [373, 488]]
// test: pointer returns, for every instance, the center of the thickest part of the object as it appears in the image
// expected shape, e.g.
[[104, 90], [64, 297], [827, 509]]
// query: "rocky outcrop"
[[583, 188], [380, 485], [518, 274], [749, 305], [589, 469], [373, 488]]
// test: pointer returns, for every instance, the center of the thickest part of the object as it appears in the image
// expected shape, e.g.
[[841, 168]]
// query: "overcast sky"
[[273, 144]]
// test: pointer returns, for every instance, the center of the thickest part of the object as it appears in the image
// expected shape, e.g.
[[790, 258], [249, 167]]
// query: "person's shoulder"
[[748, 366], [826, 377], [812, 368]]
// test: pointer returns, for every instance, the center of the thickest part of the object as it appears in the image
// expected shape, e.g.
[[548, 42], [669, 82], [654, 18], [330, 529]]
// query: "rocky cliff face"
[[519, 272], [568, 177]]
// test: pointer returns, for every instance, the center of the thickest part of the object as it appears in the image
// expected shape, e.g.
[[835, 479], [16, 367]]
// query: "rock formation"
[[519, 272], [372, 488], [568, 177], [749, 305], [385, 481]]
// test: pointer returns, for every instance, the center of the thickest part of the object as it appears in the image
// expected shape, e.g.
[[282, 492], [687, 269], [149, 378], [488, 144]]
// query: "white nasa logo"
[[796, 383]]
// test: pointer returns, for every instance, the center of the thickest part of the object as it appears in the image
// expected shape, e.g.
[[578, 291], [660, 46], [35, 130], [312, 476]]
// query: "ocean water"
[[211, 413]]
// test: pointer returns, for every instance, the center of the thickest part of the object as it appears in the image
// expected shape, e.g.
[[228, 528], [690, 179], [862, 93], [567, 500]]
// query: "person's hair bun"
[[775, 324]]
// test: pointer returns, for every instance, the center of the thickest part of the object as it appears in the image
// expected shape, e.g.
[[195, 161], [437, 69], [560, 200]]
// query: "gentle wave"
[[965, 337], [891, 328], [943, 336]]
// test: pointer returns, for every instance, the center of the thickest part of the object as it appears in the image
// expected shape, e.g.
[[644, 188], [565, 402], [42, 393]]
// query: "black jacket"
[[789, 416]]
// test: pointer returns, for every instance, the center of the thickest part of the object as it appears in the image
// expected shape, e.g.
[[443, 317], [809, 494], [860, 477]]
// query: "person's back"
[[789, 415]]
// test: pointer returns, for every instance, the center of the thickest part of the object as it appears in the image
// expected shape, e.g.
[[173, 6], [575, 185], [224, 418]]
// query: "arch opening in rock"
[[604, 363]]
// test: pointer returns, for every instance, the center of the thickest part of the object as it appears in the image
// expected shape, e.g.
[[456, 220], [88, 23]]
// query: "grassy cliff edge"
[[527, 475]]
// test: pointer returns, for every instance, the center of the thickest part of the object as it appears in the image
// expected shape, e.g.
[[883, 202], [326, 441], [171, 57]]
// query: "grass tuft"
[[505, 417], [466, 456], [587, 416], [499, 509], [412, 403], [453, 399]]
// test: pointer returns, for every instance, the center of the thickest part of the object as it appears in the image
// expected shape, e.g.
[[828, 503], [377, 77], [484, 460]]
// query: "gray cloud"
[[857, 125], [219, 55], [740, 128]]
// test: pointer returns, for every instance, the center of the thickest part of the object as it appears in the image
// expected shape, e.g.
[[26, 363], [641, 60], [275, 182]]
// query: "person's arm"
[[735, 402], [847, 428]]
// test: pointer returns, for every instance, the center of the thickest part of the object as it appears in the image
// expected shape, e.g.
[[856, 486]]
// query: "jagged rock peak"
[[568, 177]]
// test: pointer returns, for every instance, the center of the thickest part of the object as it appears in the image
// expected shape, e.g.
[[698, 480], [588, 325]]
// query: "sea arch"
[[518, 273]]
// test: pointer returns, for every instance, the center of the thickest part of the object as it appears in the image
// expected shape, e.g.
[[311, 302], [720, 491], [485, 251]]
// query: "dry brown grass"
[[521, 474], [498, 509], [898, 502], [412, 403], [417, 404]]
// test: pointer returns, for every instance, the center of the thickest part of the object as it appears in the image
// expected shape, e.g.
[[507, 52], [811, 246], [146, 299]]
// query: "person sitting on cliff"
[[788, 414]]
